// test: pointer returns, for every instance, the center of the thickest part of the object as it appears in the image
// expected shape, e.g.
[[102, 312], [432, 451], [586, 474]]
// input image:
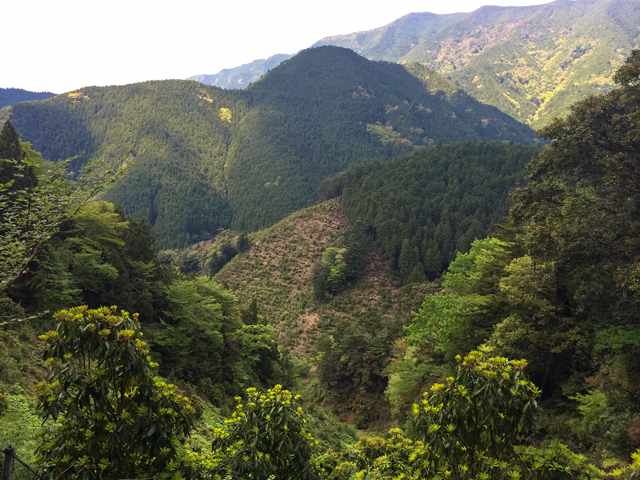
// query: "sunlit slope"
[[531, 62], [201, 158]]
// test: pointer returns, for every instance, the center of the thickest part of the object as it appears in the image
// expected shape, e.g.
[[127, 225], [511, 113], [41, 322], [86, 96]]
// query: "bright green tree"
[[31, 216], [266, 438]]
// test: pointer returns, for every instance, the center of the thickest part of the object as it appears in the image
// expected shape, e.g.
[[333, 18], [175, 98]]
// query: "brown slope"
[[276, 271]]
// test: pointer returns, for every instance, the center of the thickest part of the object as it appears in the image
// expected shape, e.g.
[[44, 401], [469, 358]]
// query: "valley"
[[362, 265]]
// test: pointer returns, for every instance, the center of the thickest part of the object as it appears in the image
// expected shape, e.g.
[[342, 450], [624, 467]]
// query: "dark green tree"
[[243, 242], [10, 148]]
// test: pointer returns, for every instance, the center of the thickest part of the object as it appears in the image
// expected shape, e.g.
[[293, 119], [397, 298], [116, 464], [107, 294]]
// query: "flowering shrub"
[[266, 438], [113, 418]]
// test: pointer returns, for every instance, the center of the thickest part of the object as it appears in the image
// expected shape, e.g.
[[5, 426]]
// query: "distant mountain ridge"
[[530, 62], [9, 96], [242, 76], [207, 158]]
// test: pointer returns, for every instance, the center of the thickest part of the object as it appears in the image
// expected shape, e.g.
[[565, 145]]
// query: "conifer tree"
[[243, 242], [10, 143], [10, 149], [408, 258]]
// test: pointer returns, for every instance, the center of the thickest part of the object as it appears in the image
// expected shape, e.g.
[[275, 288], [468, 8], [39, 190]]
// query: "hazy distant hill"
[[242, 76], [531, 62], [207, 158], [9, 96]]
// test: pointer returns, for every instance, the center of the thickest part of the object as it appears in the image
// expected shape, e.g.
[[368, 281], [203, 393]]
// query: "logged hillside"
[[9, 96], [411, 216], [341, 333], [203, 159]]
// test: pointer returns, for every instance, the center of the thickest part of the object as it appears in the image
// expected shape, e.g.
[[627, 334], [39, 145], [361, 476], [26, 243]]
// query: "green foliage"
[[202, 336], [468, 428], [592, 406], [243, 242], [426, 207], [266, 438], [19, 424], [439, 320], [113, 417], [340, 266], [31, 216], [98, 257], [484, 411]]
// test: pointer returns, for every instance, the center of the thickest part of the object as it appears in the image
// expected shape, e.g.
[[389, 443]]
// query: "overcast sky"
[[62, 45]]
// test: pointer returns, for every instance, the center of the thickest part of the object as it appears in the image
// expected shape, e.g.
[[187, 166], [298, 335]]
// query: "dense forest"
[[518, 361], [426, 207], [203, 159]]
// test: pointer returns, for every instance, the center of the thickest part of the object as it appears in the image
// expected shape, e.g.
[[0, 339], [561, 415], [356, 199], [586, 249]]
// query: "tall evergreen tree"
[[10, 149], [10, 143]]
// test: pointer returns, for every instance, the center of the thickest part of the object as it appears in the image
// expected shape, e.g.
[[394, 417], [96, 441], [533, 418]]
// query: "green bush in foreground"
[[266, 439], [112, 417], [468, 429]]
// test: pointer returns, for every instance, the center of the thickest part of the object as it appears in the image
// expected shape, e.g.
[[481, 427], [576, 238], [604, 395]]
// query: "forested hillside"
[[425, 208], [202, 159], [9, 96], [530, 62], [518, 362], [328, 109]]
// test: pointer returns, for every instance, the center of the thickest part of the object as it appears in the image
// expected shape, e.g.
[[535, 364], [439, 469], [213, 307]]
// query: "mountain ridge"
[[248, 158], [531, 62], [9, 96]]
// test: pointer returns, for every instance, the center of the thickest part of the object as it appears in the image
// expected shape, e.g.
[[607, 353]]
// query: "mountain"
[[242, 76], [530, 62], [202, 158], [9, 96], [327, 109]]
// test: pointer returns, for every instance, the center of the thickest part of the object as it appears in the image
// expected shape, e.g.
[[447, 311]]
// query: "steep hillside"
[[367, 316], [413, 214], [531, 62], [242, 76], [328, 109], [173, 134], [202, 158], [9, 96], [425, 208]]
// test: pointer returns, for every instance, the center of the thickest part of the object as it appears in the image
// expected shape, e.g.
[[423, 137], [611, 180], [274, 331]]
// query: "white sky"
[[62, 45]]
